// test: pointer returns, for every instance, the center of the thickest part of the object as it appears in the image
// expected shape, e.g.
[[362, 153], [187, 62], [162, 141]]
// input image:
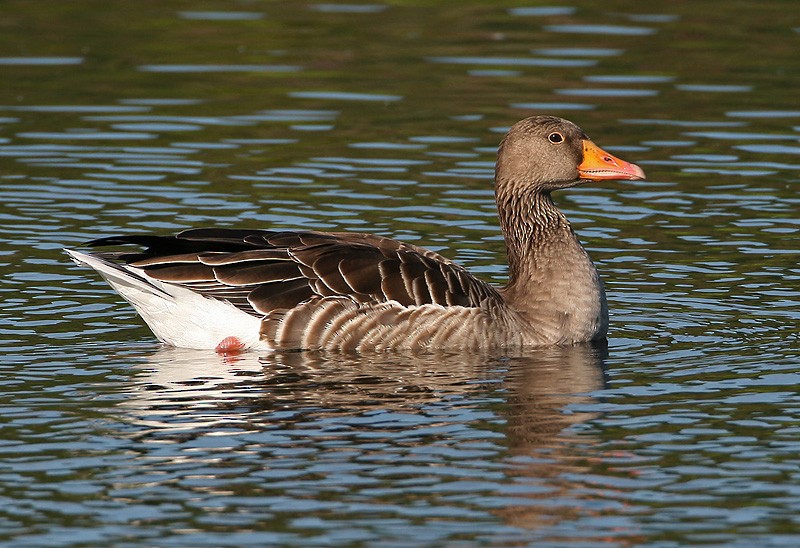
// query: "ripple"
[[442, 139], [542, 11], [221, 15], [156, 127], [763, 113], [76, 108], [379, 145], [714, 88], [219, 68], [311, 127], [345, 96], [579, 52], [769, 149], [86, 135], [628, 79], [286, 116], [619, 30], [352, 162], [553, 106], [514, 61], [204, 146], [161, 102], [134, 120], [707, 157], [279, 141], [41, 61], [654, 18], [680, 123], [347, 8], [494, 73], [738, 171], [608, 92], [739, 136], [674, 143]]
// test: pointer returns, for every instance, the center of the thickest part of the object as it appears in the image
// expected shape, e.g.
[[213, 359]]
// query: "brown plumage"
[[353, 291]]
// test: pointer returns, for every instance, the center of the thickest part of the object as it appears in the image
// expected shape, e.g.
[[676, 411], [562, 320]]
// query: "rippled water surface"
[[384, 117]]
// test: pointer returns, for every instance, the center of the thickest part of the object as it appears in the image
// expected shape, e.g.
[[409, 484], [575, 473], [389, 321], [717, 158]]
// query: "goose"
[[238, 289]]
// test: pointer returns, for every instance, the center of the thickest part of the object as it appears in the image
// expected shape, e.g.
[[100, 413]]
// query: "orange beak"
[[599, 165]]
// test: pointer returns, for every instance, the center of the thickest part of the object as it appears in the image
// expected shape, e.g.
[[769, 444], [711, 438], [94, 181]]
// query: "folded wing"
[[265, 272]]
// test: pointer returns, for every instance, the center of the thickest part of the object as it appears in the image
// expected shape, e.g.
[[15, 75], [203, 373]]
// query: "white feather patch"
[[177, 316]]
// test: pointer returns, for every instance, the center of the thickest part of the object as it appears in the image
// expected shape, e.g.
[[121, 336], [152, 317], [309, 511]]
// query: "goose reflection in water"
[[404, 423]]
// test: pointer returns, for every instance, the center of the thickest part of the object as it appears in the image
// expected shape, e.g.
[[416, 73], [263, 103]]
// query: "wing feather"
[[326, 268], [362, 274], [257, 272], [393, 284], [437, 286], [181, 273], [266, 272], [267, 297], [217, 258]]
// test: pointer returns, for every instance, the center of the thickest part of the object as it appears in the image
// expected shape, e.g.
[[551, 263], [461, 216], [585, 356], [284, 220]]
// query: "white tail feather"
[[177, 316]]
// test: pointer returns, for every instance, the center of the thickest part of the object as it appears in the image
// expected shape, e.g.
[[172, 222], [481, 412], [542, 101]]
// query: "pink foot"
[[230, 346]]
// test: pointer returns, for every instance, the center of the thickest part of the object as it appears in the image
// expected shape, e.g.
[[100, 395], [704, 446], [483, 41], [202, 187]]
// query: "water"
[[384, 118]]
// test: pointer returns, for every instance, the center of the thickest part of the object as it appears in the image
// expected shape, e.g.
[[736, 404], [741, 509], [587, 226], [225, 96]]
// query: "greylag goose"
[[236, 289]]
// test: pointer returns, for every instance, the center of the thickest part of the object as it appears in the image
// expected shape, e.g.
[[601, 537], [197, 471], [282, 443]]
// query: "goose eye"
[[555, 137]]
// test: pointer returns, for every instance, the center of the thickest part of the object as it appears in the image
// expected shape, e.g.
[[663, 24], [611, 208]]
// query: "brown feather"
[[218, 258], [362, 274], [326, 268], [181, 273], [267, 297], [420, 289], [165, 260], [252, 272], [437, 286], [393, 286], [412, 271]]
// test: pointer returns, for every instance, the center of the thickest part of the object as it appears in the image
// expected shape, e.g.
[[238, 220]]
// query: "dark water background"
[[123, 117]]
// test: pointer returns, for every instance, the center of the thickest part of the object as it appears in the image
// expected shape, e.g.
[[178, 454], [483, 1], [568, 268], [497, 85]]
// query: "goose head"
[[544, 153]]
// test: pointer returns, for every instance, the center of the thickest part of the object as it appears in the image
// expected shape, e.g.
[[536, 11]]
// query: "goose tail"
[[177, 316]]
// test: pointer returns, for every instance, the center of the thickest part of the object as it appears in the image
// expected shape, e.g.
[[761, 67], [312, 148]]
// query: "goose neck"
[[535, 231]]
